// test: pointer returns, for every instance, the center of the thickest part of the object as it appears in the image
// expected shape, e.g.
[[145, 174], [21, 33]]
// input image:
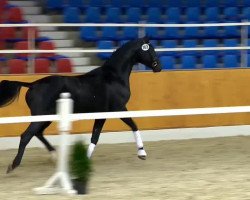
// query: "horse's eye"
[[145, 47]]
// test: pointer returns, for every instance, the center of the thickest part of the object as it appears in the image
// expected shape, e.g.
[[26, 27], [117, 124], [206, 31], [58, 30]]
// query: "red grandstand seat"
[[42, 65], [64, 65], [23, 45], [9, 33], [15, 15], [3, 3], [46, 45], [17, 66]]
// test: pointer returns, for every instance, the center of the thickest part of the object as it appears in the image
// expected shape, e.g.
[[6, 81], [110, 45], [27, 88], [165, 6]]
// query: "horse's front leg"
[[95, 135], [141, 151]]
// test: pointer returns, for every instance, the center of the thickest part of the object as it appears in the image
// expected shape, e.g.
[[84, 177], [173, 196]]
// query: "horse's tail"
[[9, 91]]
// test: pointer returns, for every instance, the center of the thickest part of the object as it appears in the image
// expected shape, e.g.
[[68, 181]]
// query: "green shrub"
[[79, 164]]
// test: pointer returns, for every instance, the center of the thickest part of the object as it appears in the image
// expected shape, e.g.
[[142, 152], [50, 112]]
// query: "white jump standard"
[[60, 182]]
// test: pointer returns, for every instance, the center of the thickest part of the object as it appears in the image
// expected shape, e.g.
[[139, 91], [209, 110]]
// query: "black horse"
[[103, 89]]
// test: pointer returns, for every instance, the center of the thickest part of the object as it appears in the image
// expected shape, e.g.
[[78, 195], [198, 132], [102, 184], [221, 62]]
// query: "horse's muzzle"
[[156, 66]]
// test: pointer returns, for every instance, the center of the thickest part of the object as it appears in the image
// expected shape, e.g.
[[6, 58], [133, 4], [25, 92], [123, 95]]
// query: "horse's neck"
[[120, 65]]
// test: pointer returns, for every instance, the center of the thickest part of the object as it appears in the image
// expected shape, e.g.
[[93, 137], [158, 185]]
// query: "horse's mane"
[[123, 52]]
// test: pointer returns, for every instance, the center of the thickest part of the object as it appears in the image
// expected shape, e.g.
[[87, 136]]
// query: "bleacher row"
[[83, 4], [160, 11], [17, 39]]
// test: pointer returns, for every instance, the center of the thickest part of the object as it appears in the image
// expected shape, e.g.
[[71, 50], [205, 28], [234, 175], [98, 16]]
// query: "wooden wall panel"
[[164, 90]]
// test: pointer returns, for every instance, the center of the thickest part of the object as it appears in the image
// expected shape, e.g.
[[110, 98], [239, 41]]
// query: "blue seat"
[[153, 33], [188, 62], [210, 43], [135, 3], [167, 62], [211, 32], [193, 3], [191, 32], [55, 4], [129, 33], [230, 61], [72, 15], [118, 3], [113, 15], [98, 3], [171, 33], [93, 15], [248, 60], [212, 3], [153, 15], [105, 44], [230, 3], [231, 31], [209, 61], [109, 33], [155, 3], [174, 3], [76, 3], [168, 44], [231, 14], [212, 14], [246, 13], [89, 34], [231, 43], [193, 14], [133, 15], [245, 3], [190, 44], [173, 14]]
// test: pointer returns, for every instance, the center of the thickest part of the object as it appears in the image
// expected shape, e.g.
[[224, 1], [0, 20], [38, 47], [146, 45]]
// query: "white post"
[[60, 182]]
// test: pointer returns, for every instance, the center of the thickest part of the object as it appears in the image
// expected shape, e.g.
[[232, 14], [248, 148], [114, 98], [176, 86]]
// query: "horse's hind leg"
[[141, 152], [33, 128], [95, 135], [49, 147]]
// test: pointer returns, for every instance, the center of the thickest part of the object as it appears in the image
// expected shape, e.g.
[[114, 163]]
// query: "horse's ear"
[[146, 39]]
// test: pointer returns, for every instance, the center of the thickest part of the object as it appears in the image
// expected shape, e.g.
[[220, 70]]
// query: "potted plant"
[[80, 167]]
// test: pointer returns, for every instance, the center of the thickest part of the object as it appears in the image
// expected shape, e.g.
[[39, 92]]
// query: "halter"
[[145, 47]]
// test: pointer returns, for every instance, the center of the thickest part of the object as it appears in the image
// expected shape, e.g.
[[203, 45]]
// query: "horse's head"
[[146, 55]]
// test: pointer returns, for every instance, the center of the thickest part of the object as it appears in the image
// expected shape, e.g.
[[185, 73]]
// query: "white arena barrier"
[[60, 182]]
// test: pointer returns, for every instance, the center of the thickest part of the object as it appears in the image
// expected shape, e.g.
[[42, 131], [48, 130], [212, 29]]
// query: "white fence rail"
[[65, 118], [243, 46], [125, 114]]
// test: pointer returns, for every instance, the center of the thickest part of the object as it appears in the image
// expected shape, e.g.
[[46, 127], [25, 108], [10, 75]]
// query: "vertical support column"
[[60, 182], [244, 42]]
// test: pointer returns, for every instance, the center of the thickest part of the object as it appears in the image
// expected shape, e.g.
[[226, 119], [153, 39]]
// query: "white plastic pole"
[[60, 182]]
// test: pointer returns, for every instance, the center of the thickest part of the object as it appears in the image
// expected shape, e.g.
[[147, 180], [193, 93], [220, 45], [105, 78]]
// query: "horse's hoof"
[[53, 156], [142, 154], [9, 169], [142, 157]]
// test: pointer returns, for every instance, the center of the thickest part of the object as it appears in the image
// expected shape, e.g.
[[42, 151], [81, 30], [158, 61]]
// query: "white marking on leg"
[[90, 150], [139, 144]]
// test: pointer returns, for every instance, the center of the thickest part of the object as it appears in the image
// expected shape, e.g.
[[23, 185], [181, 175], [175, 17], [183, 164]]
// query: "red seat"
[[42, 65], [23, 45], [14, 15], [64, 65], [47, 45], [3, 3], [9, 33], [17, 66]]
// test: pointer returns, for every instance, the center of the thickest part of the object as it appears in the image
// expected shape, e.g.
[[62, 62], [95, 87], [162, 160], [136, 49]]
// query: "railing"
[[243, 46], [64, 117]]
